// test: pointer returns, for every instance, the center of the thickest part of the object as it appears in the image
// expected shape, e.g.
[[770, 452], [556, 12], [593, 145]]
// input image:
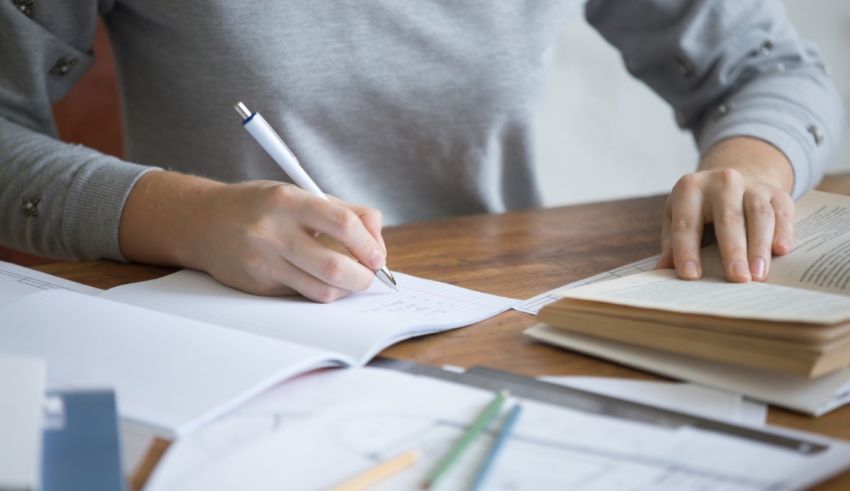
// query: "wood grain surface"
[[518, 255]]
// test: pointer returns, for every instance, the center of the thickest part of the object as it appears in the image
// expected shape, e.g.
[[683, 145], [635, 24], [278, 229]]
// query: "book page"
[[820, 255], [820, 258], [662, 290], [358, 326]]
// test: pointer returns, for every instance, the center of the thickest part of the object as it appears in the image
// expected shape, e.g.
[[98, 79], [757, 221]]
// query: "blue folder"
[[81, 447]]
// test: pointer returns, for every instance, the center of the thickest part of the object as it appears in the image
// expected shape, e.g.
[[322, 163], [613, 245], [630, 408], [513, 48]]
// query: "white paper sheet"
[[814, 396], [17, 282], [677, 396], [534, 304], [22, 380], [168, 372], [319, 430], [359, 326]]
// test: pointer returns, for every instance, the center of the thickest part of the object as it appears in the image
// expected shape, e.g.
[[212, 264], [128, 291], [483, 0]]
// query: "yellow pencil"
[[379, 472]]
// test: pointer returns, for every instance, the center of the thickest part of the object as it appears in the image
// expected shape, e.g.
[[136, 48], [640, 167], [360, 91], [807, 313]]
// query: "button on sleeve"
[[63, 66], [25, 6]]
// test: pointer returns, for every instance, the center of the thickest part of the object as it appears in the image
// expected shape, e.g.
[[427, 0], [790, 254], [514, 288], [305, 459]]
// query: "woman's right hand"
[[257, 236]]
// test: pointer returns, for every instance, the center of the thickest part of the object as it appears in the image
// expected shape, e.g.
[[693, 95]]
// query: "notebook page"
[[17, 282], [360, 325], [168, 372]]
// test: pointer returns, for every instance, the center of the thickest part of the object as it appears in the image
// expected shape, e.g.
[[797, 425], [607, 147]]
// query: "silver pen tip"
[[242, 109], [387, 278]]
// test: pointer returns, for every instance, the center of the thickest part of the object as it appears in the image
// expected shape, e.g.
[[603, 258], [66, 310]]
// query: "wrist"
[[164, 219], [753, 158]]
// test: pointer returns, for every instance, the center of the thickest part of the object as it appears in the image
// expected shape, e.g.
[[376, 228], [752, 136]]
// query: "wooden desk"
[[517, 255]]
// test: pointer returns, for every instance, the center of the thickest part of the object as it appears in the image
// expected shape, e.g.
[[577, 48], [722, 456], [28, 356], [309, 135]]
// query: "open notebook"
[[191, 348]]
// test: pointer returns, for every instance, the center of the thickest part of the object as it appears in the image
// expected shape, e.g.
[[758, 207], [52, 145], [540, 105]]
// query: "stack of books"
[[796, 323], [804, 333]]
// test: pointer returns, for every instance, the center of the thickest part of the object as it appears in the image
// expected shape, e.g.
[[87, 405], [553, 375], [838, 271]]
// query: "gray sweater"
[[418, 108]]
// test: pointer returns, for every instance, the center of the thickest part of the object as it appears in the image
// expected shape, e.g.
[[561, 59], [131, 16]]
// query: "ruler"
[[581, 400]]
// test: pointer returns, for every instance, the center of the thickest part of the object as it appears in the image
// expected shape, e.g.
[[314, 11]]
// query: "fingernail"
[[758, 266], [739, 268], [784, 244], [689, 270], [376, 259]]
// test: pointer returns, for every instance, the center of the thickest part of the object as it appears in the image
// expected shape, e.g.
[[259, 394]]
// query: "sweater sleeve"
[[735, 68], [56, 199]]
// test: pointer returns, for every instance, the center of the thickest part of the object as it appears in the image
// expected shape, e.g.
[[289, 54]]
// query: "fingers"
[[345, 225], [685, 228], [752, 220], [783, 234], [275, 276], [307, 284], [760, 223], [730, 226], [328, 266], [665, 260], [371, 218]]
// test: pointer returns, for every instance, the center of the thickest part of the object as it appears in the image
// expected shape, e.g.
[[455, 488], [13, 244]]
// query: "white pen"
[[257, 126]]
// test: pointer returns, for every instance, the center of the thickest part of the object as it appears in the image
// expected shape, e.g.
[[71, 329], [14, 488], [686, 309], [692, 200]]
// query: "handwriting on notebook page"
[[413, 303]]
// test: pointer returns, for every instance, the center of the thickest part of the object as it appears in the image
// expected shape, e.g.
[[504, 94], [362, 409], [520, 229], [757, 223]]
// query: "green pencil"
[[487, 415]]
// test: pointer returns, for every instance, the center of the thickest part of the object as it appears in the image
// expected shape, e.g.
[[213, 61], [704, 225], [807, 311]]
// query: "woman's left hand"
[[743, 189]]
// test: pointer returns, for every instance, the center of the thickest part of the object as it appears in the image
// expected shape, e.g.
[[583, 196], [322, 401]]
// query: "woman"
[[419, 109]]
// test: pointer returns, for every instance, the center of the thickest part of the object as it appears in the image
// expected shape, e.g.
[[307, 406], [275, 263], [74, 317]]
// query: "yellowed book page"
[[820, 258], [662, 290]]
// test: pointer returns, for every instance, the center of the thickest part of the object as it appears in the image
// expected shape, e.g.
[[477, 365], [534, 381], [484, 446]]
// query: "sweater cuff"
[[805, 177], [805, 129], [94, 204]]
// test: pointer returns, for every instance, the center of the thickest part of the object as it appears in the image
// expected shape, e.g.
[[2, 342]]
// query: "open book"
[[798, 321], [192, 348]]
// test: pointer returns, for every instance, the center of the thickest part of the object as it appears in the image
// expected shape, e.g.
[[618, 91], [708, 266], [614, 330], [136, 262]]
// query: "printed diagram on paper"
[[334, 425]]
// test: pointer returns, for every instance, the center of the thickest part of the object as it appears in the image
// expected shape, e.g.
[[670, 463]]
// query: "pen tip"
[[242, 109], [387, 278]]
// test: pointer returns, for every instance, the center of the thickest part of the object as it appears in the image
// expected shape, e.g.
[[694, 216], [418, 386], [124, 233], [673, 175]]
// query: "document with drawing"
[[287, 438], [197, 348]]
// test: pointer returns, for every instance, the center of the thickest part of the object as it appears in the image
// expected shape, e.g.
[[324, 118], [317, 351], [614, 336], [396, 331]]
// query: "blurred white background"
[[604, 135]]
